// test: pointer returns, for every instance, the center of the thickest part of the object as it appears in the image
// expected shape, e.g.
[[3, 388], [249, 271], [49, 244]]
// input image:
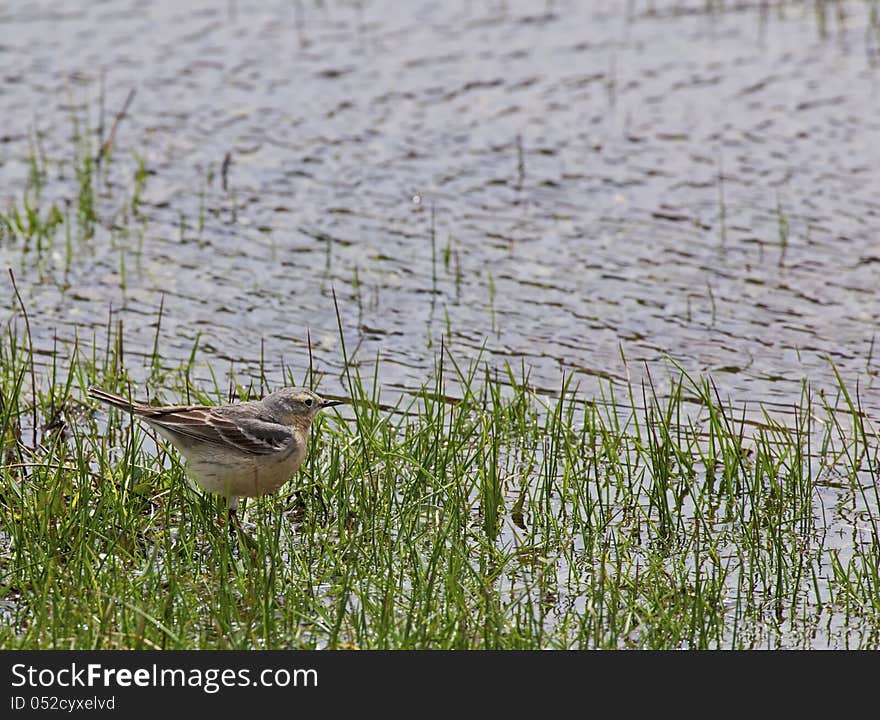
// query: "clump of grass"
[[32, 222], [84, 168], [48, 204], [140, 184]]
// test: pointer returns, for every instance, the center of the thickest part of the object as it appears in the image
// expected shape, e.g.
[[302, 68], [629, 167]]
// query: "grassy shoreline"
[[498, 519]]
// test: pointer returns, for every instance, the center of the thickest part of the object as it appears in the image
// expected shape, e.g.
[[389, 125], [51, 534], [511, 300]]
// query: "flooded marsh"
[[599, 277]]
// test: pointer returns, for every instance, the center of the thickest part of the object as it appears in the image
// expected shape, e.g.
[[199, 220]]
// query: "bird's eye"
[[309, 402]]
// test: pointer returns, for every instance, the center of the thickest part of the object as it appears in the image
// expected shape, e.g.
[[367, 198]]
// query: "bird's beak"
[[331, 403]]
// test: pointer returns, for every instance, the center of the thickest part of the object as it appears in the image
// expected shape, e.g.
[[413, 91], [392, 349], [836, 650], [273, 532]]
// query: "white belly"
[[249, 477]]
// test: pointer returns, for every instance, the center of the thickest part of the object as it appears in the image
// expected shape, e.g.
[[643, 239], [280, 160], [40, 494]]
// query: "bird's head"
[[297, 406]]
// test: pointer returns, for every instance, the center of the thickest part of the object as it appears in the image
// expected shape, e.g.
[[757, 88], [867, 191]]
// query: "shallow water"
[[576, 157], [562, 183]]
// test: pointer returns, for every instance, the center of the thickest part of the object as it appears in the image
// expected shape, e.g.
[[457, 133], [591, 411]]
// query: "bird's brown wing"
[[224, 427]]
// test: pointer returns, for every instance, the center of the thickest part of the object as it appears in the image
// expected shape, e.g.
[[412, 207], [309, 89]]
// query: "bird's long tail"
[[113, 399]]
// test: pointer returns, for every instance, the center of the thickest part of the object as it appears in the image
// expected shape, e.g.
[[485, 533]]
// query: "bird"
[[240, 450]]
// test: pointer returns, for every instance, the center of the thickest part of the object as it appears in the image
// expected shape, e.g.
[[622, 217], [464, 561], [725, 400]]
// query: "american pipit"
[[242, 450]]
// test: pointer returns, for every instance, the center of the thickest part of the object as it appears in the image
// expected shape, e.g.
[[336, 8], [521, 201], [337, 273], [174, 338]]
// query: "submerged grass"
[[497, 519]]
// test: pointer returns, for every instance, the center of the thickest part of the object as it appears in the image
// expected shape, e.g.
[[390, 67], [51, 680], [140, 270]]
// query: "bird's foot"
[[236, 530]]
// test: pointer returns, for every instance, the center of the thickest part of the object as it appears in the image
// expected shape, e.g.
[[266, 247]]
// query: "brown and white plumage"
[[241, 450]]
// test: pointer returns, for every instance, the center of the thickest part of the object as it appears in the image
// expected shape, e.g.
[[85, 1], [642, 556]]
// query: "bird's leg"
[[235, 527], [234, 522]]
